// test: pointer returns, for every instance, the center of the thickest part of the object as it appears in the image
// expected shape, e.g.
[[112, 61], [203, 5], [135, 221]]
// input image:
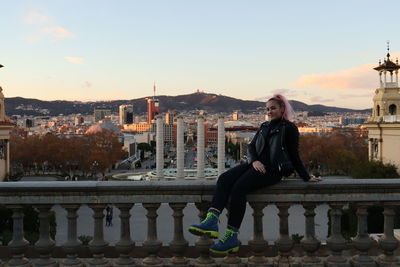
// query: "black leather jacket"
[[290, 140]]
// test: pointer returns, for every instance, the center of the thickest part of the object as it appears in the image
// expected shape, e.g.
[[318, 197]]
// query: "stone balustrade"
[[177, 194]]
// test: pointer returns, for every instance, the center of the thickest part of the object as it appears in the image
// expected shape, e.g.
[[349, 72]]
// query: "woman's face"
[[274, 110]]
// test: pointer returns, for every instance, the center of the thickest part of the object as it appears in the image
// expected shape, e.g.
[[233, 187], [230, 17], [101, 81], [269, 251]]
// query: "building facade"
[[101, 113], [125, 114], [5, 130], [384, 124]]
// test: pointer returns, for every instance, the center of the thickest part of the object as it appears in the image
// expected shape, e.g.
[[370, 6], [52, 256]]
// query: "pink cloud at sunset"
[[75, 60], [361, 77], [58, 32], [34, 17]]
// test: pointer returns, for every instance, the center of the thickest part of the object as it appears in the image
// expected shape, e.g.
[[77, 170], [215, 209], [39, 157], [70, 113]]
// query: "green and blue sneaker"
[[229, 243], [209, 226]]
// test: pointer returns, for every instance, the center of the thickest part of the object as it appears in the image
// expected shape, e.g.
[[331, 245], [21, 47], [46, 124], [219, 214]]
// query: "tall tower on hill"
[[152, 106], [384, 124]]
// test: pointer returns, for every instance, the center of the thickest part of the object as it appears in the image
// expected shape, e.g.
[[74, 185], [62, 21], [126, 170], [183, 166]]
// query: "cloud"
[[58, 32], [321, 99], [35, 17], [289, 93], [345, 96], [285, 92], [87, 84], [361, 77], [75, 60]]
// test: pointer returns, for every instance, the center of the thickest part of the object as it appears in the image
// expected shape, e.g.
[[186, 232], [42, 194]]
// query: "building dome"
[[102, 125]]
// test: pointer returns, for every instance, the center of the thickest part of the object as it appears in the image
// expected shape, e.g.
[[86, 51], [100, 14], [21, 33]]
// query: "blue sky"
[[312, 51]]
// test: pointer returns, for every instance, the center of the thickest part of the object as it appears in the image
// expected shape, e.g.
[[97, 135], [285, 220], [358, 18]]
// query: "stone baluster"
[[18, 245], [72, 246], [152, 244], [309, 243], [258, 245], [98, 245], [231, 259], [284, 243], [362, 242], [204, 243], [45, 244], [125, 244], [336, 243], [388, 242], [178, 245]]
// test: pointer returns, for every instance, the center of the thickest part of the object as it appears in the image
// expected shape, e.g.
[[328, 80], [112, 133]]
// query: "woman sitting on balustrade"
[[272, 153]]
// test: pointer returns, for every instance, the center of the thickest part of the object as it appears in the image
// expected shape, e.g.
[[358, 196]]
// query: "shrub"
[[374, 169], [31, 224], [85, 239]]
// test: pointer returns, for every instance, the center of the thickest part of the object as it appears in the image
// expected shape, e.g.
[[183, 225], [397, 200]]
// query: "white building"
[[384, 124]]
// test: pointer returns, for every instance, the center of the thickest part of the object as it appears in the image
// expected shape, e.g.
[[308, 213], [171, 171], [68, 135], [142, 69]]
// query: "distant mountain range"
[[195, 101]]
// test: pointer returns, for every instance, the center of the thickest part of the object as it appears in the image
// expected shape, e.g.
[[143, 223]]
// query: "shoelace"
[[209, 216], [229, 233]]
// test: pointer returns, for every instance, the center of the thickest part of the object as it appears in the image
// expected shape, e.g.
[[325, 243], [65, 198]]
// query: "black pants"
[[235, 184]]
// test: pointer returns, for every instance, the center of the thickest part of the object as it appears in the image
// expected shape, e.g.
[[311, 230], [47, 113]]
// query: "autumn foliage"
[[78, 155], [333, 153]]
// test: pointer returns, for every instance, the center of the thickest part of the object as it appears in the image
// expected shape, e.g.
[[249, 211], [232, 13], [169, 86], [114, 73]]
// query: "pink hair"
[[283, 102]]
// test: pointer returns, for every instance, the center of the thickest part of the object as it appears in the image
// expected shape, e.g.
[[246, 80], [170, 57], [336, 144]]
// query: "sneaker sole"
[[234, 249], [200, 232]]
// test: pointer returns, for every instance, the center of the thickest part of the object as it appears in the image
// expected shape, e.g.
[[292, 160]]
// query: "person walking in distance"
[[272, 153], [109, 216]]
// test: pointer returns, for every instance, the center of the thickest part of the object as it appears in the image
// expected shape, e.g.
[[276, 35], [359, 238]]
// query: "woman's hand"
[[258, 166], [315, 179]]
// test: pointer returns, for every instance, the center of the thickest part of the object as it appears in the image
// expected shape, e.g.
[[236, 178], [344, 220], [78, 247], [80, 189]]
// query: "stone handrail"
[[97, 195]]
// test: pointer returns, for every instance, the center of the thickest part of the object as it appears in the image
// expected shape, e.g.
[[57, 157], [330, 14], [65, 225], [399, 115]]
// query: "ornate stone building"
[[5, 129], [384, 124]]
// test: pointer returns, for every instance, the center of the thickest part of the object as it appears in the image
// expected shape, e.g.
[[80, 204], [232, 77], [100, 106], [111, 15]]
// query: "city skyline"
[[311, 51]]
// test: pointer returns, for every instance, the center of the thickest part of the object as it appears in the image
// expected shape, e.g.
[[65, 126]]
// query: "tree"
[[72, 155]]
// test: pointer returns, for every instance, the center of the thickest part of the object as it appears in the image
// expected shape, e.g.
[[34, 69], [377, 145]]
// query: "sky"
[[314, 51]]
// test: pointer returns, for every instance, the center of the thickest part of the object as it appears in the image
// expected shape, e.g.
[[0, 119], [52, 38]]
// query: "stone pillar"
[[159, 147], [45, 244], [258, 245], [18, 245], [336, 243], [204, 243], [152, 244], [362, 242], [221, 145], [385, 78], [284, 243], [178, 245], [200, 147], [309, 243], [98, 245], [125, 243], [388, 242], [72, 246], [180, 149]]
